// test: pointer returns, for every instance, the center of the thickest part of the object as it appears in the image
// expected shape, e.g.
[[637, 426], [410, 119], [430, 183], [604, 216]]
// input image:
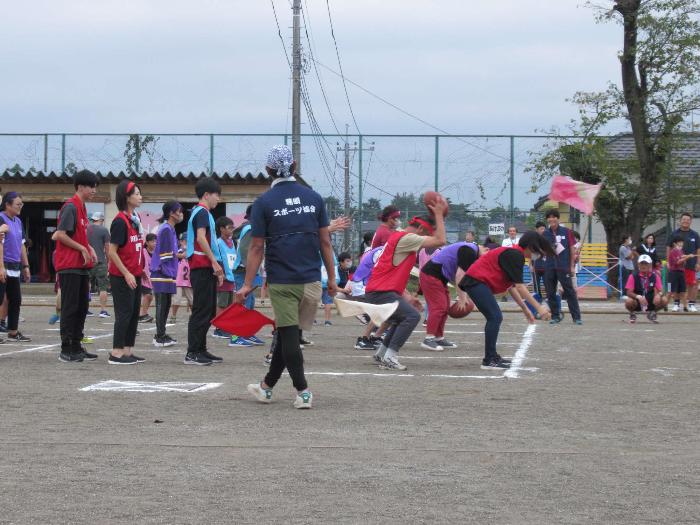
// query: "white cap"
[[98, 216], [644, 259]]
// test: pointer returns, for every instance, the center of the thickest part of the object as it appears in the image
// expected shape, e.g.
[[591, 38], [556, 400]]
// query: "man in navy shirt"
[[560, 268], [691, 246], [290, 226]]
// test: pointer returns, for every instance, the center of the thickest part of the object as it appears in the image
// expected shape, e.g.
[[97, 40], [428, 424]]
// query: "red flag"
[[575, 193], [237, 319]]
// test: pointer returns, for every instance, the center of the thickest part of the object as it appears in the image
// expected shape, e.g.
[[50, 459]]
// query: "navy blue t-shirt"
[[289, 216], [691, 244]]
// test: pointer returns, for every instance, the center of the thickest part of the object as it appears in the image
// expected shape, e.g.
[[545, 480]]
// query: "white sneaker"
[[430, 343], [303, 400], [391, 363], [260, 394], [692, 308], [675, 308]]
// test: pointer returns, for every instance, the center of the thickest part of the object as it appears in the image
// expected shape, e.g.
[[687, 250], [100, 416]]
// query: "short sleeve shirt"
[[289, 216], [691, 245], [98, 236], [68, 219], [630, 282], [409, 243]]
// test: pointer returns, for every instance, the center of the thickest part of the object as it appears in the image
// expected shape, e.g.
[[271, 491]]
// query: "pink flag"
[[575, 193]]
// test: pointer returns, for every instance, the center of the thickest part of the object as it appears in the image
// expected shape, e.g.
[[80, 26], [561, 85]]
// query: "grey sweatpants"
[[402, 323]]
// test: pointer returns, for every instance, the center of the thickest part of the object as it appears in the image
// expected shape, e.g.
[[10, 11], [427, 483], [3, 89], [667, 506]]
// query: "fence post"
[[437, 158], [46, 153], [63, 152], [138, 153], [211, 154], [512, 179], [359, 193]]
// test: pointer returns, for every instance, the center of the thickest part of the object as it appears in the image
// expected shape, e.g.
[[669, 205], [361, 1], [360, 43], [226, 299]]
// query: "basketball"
[[457, 313], [430, 198]]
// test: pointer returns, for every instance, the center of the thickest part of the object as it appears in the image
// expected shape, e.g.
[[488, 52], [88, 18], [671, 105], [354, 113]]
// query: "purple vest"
[[12, 248], [364, 269], [447, 258], [168, 267]]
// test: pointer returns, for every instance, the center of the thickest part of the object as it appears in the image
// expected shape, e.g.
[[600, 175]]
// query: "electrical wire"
[[279, 32]]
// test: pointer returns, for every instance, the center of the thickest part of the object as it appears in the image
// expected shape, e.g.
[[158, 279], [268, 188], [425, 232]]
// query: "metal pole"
[[346, 188], [211, 154], [359, 194], [63, 153], [286, 140], [512, 179], [46, 153], [437, 158], [138, 153], [296, 84]]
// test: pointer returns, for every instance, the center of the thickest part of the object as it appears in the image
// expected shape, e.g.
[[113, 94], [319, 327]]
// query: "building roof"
[[685, 157], [40, 177]]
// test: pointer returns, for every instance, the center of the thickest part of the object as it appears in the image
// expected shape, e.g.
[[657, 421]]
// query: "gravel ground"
[[599, 424]]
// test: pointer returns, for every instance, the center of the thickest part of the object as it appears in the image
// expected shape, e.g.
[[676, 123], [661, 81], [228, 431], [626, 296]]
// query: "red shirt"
[[130, 252], [381, 236], [389, 278], [673, 264]]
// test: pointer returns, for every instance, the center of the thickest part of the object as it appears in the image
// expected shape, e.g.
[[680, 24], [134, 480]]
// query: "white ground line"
[[516, 365], [44, 347], [376, 374]]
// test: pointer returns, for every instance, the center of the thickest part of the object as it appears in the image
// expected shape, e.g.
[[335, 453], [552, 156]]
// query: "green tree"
[[405, 202], [333, 206], [136, 147], [660, 71], [372, 207]]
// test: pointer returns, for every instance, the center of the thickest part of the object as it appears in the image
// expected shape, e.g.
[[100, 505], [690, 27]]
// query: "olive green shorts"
[[295, 304], [98, 275]]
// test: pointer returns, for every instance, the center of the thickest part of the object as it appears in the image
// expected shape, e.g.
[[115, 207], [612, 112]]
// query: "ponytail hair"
[[536, 243]]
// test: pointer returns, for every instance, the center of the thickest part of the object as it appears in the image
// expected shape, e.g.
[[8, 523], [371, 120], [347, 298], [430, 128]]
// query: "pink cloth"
[[575, 193], [673, 264], [183, 274], [146, 275]]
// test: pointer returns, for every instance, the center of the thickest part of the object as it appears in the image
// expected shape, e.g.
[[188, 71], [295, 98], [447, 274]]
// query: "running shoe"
[[19, 338], [375, 341], [305, 342], [170, 339], [213, 358], [268, 358], [172, 320], [89, 314], [3, 326], [138, 359], [327, 323], [364, 344], [578, 322], [652, 316], [503, 359], [240, 342], [123, 360], [692, 308], [197, 359], [105, 314], [162, 342], [256, 340], [495, 364], [633, 318], [259, 393], [446, 344], [676, 308], [221, 334], [430, 343], [87, 340], [87, 356], [66, 357], [55, 318], [555, 320], [391, 363], [145, 318], [303, 400], [364, 318]]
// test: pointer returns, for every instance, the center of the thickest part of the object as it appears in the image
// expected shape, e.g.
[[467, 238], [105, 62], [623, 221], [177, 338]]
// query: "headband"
[[420, 222], [130, 186], [394, 215]]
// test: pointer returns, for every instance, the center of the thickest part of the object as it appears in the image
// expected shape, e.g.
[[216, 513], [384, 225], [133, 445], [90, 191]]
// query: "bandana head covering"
[[280, 160], [419, 221]]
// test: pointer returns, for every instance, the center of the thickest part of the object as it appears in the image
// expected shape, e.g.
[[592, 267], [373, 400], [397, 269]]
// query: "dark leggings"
[[287, 354], [127, 305], [163, 301], [12, 289], [486, 303]]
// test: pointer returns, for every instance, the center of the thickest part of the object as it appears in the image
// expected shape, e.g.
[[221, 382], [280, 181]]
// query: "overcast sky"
[[466, 66]]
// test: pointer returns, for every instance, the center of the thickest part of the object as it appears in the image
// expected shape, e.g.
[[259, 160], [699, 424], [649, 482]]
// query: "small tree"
[[136, 147]]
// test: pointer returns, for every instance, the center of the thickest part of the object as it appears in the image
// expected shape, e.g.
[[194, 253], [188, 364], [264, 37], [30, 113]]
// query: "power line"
[[279, 32], [340, 66]]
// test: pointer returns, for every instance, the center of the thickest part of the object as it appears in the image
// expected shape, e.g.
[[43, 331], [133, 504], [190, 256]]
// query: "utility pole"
[[296, 83], [346, 149]]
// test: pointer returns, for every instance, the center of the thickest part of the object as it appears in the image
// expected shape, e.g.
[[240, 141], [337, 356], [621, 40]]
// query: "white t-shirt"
[[509, 243]]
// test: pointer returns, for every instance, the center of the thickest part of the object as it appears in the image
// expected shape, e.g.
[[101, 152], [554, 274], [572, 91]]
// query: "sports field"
[[594, 424]]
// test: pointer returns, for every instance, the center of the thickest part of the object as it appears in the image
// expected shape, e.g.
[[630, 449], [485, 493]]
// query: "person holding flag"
[[290, 228], [205, 271]]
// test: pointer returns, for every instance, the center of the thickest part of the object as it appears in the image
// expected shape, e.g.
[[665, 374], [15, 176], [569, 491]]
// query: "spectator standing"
[[146, 285], [98, 237], [627, 257], [512, 239], [73, 259], [182, 280], [537, 267], [560, 267], [647, 246], [14, 262], [691, 246], [676, 274]]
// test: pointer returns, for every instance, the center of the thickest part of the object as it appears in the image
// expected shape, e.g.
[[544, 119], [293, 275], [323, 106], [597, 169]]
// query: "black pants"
[[127, 304], [538, 283], [287, 354], [486, 303], [203, 283], [163, 302], [12, 289], [75, 300], [403, 321], [551, 278]]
